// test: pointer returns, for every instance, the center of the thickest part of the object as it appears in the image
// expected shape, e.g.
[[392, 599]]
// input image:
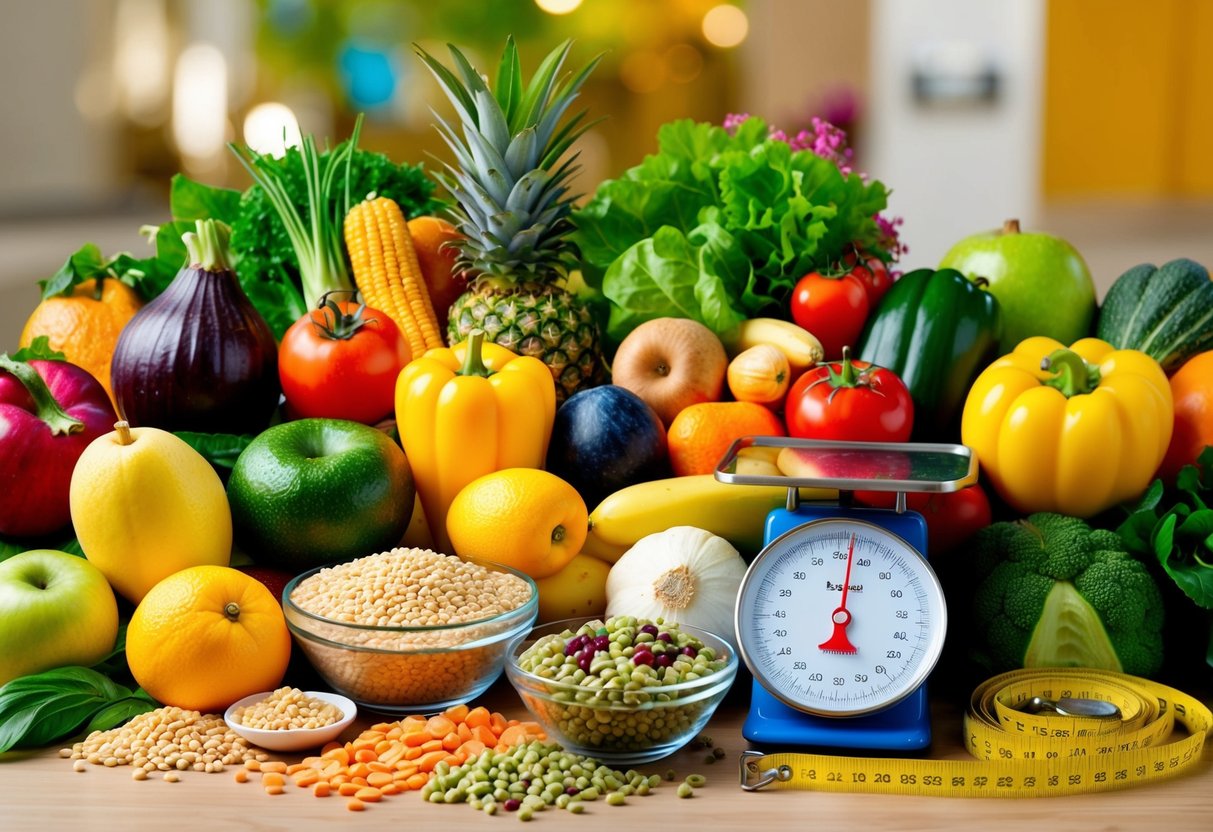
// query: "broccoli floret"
[[1053, 592]]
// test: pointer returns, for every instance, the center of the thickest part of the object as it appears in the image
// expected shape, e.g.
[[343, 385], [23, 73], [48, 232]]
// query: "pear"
[[145, 505]]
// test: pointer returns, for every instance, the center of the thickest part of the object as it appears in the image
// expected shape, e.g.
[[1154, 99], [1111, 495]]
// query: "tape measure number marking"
[[1022, 754]]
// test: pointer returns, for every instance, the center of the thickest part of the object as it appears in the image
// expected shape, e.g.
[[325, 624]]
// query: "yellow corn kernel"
[[387, 272]]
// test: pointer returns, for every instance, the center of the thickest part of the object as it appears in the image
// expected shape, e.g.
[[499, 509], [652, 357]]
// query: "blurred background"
[[1084, 118]]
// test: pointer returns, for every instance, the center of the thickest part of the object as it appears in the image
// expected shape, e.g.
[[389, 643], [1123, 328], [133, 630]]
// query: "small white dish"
[[293, 739]]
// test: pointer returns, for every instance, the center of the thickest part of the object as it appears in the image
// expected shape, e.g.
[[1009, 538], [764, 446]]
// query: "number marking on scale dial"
[[840, 617]]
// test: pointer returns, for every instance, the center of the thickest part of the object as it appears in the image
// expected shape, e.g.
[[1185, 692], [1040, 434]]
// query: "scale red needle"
[[841, 617]]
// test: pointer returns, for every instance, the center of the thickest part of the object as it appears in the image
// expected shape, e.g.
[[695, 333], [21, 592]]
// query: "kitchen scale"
[[840, 618]]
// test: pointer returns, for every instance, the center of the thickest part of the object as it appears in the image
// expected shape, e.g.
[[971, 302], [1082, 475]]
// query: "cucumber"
[[1166, 312]]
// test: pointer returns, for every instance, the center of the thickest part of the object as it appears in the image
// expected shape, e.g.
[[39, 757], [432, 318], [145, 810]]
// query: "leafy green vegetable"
[[740, 216], [88, 263], [260, 239], [219, 449], [190, 201], [276, 297], [1175, 527], [39, 348], [43, 708]]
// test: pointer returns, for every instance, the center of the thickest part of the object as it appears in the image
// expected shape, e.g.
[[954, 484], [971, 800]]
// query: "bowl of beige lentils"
[[409, 630], [289, 719]]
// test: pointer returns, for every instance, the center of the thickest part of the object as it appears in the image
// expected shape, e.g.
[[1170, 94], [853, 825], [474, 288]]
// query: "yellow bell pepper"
[[1073, 431], [467, 411]]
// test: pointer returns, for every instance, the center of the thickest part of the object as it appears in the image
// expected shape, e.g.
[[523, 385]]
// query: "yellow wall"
[[1128, 98]]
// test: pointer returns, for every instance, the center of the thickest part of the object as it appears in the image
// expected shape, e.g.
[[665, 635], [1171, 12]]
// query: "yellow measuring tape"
[[1023, 754]]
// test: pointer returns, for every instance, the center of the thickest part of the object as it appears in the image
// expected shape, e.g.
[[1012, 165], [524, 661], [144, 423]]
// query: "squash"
[[760, 375], [1166, 312]]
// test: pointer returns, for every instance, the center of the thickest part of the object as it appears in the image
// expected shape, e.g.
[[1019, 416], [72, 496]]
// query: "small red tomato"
[[832, 308], [872, 273], [952, 518], [341, 362], [851, 401]]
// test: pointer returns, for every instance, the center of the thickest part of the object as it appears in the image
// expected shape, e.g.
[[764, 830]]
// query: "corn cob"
[[387, 273]]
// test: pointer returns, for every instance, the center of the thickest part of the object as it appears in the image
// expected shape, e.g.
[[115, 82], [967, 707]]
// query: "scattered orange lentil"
[[394, 757]]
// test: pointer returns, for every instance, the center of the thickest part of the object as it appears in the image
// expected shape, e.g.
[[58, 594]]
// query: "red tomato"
[[341, 363], [952, 518], [849, 401], [872, 273], [832, 308]]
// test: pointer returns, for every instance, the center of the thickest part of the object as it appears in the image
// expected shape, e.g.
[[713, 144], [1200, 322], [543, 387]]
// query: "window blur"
[[1085, 118]]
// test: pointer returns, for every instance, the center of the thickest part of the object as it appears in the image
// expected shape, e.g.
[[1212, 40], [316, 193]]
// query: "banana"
[[800, 346], [734, 512]]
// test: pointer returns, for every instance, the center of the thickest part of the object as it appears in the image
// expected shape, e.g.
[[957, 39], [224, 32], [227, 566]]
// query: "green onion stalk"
[[316, 238]]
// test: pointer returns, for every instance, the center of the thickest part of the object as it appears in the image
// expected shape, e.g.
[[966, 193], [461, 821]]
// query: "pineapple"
[[511, 183]]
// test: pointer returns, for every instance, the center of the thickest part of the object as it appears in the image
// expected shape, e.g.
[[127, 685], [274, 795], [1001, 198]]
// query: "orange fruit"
[[701, 434], [437, 260], [84, 328], [521, 517], [1192, 392], [206, 636]]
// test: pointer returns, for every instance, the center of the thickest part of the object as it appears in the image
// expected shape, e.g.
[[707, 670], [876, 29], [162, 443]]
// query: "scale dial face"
[[829, 652]]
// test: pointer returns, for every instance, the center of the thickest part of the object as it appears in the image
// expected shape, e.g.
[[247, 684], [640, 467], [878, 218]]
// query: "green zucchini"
[[1166, 312]]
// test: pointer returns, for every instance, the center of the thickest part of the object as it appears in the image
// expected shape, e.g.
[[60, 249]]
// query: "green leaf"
[[219, 449], [787, 212], [1151, 498], [44, 707], [190, 200], [1162, 539], [39, 348], [121, 711], [1196, 526], [85, 264], [661, 276]]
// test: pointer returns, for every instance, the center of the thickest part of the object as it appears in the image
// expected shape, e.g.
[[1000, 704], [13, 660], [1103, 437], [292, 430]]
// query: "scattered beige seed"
[[138, 774], [79, 765], [162, 740], [171, 777]]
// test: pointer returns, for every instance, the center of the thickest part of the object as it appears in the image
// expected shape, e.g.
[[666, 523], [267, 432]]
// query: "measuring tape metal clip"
[[749, 768]]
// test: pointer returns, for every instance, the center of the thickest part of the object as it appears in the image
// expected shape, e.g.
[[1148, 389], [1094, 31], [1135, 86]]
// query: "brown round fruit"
[[671, 363]]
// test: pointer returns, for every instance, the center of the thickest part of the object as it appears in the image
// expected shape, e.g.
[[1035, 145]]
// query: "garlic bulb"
[[682, 574]]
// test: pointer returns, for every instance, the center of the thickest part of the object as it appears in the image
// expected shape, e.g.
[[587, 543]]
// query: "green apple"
[[1042, 283], [315, 491], [57, 610]]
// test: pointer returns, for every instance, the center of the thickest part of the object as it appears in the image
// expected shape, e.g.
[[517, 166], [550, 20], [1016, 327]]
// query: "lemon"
[[576, 591], [521, 517], [145, 505]]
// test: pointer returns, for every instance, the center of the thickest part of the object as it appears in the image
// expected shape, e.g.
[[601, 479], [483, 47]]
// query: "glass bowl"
[[615, 725], [411, 669]]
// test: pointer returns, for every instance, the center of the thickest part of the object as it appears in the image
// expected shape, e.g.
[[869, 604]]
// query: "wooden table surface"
[[40, 791]]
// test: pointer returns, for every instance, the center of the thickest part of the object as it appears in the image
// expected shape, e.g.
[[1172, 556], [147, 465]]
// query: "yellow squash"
[[467, 411], [1074, 431]]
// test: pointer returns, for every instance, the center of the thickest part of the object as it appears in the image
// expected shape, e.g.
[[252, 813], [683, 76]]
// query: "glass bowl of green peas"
[[623, 690]]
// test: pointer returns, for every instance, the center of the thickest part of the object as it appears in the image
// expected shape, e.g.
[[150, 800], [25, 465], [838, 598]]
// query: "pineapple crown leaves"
[[511, 186]]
